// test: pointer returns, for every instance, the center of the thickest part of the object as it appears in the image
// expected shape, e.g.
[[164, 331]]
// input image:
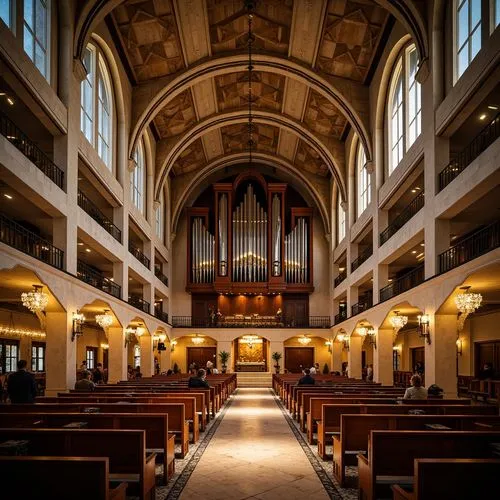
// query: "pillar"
[[354, 357], [147, 358], [117, 357], [164, 358], [60, 353], [382, 358], [276, 346], [337, 356], [224, 345], [440, 355]]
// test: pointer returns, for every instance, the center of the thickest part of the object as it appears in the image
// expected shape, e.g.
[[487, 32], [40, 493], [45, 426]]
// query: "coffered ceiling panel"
[[308, 159], [323, 116], [150, 37], [229, 25], [351, 34], [267, 90], [235, 137], [192, 158], [177, 116]]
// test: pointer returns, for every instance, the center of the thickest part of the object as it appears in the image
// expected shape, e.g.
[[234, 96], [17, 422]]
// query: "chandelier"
[[362, 331], [104, 320], [304, 340], [398, 321], [341, 337], [251, 340], [467, 303], [36, 300], [197, 340]]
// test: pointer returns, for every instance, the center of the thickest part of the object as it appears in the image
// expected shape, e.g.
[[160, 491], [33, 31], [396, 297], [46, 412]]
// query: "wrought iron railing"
[[463, 159], [162, 316], [139, 255], [139, 303], [251, 322], [341, 277], [94, 277], [478, 243], [161, 276], [362, 257], [29, 149], [408, 212], [341, 316], [404, 283], [16, 236], [88, 206], [365, 302]]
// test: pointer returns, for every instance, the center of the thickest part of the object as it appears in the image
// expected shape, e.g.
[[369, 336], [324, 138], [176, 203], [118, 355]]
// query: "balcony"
[[94, 277], [29, 149], [463, 159], [341, 316], [413, 208], [162, 316], [478, 243], [406, 282], [137, 253], [16, 236], [341, 277], [364, 303], [251, 322], [139, 303], [362, 257], [161, 276], [88, 206]]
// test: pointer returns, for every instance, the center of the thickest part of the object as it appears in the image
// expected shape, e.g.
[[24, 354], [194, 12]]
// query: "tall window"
[[91, 357], [137, 356], [36, 33], [468, 33], [404, 107], [6, 12], [340, 219], [364, 181], [96, 104], [9, 355], [159, 223], [496, 13], [137, 178], [38, 356]]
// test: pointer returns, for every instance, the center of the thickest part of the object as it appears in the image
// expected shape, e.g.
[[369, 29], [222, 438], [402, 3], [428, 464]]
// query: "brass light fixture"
[[78, 322], [36, 300], [423, 327]]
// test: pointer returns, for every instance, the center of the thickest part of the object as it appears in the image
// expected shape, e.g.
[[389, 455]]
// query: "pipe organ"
[[249, 239]]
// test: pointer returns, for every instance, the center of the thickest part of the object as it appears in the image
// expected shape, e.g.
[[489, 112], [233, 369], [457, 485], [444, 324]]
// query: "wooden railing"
[[251, 322]]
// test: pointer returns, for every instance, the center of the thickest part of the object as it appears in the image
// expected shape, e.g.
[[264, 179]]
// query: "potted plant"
[[326, 370], [224, 357], [176, 368], [277, 356]]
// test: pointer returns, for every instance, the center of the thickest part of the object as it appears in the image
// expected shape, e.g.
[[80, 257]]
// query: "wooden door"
[[296, 310], [200, 356], [417, 356], [486, 352], [298, 358]]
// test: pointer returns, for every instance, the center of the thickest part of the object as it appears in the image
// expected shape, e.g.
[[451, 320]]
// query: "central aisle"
[[254, 454]]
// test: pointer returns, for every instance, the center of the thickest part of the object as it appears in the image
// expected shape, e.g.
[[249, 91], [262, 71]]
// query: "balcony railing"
[[139, 303], [137, 253], [365, 302], [362, 257], [161, 276], [250, 322], [341, 316], [162, 316], [16, 236], [95, 278], [29, 149], [88, 206], [463, 159], [404, 283], [475, 245], [409, 211], [341, 277]]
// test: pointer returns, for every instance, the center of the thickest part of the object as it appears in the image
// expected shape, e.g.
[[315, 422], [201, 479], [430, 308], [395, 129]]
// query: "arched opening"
[[303, 351], [193, 350]]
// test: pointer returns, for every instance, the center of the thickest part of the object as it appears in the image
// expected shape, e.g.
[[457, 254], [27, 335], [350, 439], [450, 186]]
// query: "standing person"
[[369, 373], [209, 367], [21, 385], [199, 380], [85, 384], [312, 370], [138, 373], [306, 379], [98, 374], [416, 391]]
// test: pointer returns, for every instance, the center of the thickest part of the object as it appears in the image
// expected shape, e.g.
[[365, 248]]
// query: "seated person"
[[416, 391], [85, 384], [306, 379], [199, 380]]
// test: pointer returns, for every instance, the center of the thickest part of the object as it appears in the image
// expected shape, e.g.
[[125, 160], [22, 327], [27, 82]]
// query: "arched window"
[[97, 104], [364, 181], [340, 219], [159, 220], [137, 355], [36, 34], [137, 178], [404, 106], [467, 33]]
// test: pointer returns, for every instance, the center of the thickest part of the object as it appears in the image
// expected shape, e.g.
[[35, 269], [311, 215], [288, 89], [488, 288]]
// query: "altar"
[[250, 352], [250, 366]]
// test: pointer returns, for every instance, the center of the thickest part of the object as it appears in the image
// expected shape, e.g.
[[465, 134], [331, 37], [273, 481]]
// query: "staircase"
[[254, 379]]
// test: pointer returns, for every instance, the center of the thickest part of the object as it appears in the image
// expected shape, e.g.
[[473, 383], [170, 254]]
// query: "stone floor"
[[254, 454]]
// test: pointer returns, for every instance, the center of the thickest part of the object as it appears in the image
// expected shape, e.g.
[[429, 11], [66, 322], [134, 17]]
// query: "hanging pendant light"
[[36, 300], [467, 303], [304, 339], [398, 321], [104, 320]]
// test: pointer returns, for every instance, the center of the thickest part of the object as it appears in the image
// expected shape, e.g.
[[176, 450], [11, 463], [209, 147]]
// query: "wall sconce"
[[173, 343], [344, 339], [128, 335], [372, 336], [328, 344], [78, 322], [104, 346], [459, 347], [423, 327]]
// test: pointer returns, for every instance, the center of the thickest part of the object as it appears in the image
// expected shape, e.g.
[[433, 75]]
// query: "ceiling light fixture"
[[104, 320], [344, 339], [467, 303], [8, 196], [304, 340], [36, 300], [483, 116], [397, 321], [197, 340], [10, 101], [494, 107]]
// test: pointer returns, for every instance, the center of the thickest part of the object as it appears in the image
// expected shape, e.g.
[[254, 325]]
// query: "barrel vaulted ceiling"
[[187, 63]]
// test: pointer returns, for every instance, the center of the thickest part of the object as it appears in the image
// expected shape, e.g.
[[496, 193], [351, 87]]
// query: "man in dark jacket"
[[21, 385], [199, 380], [306, 379]]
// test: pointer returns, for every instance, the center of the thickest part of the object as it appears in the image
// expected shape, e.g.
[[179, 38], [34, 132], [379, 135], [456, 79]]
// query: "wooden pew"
[[126, 450], [58, 478], [391, 455], [355, 429], [456, 478], [176, 414], [158, 439]]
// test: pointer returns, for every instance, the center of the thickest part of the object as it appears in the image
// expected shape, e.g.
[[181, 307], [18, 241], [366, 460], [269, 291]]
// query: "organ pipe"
[[296, 253], [276, 235], [223, 236], [203, 253]]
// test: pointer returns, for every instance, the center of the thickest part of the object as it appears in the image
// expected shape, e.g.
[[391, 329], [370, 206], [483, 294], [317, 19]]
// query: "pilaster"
[[382, 358], [354, 357], [117, 369]]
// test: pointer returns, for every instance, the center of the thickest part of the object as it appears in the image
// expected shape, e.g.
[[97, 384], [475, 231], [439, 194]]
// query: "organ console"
[[250, 239]]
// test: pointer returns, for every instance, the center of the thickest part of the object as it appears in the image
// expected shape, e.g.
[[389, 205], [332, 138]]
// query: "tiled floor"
[[254, 454]]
